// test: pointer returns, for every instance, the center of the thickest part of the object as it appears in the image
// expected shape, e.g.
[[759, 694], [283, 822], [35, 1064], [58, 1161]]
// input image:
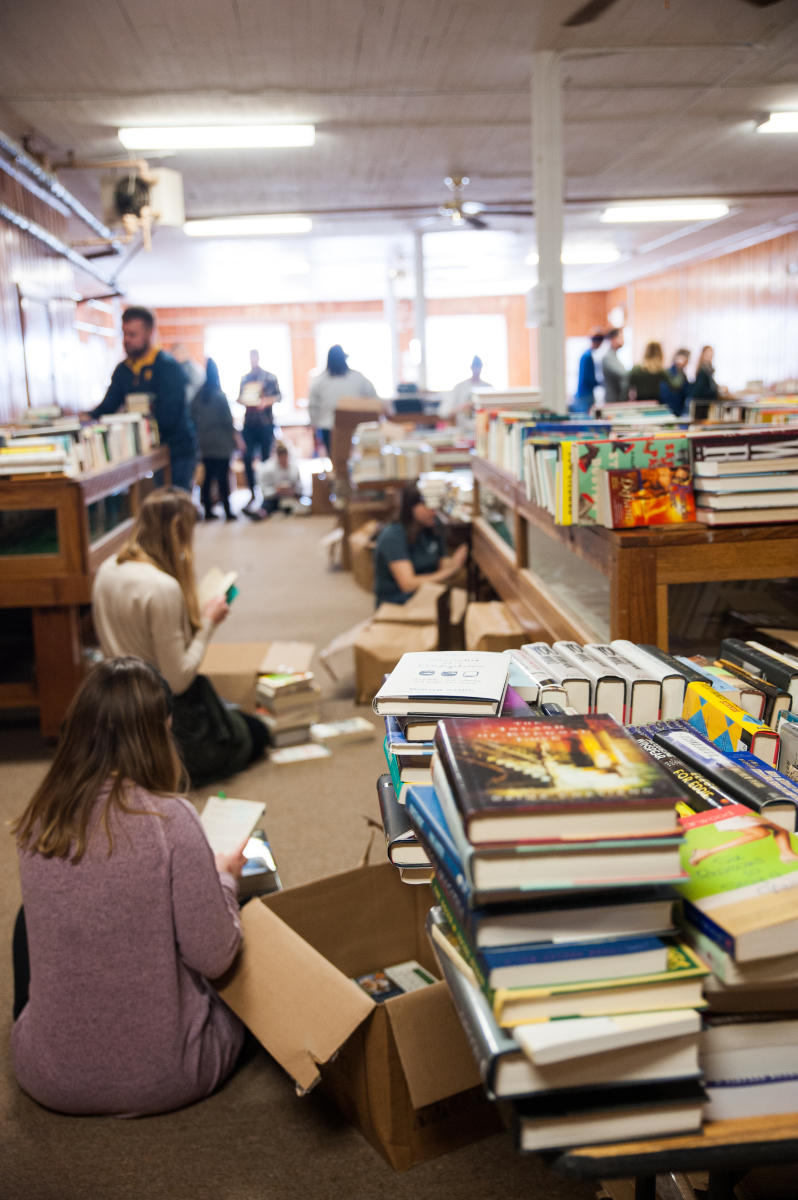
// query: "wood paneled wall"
[[743, 304], [28, 269]]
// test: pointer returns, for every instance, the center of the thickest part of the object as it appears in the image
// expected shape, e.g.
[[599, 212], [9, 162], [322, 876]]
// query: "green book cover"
[[735, 850], [589, 458]]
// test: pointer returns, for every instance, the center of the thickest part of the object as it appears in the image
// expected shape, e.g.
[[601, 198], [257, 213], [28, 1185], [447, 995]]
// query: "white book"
[[673, 685], [214, 583], [607, 689], [577, 685], [446, 683], [744, 516], [228, 823], [643, 693], [774, 499], [786, 481], [546, 1042], [537, 686]]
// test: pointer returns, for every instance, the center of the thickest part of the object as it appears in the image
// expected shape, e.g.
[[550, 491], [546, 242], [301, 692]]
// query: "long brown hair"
[[164, 535], [653, 357], [116, 729]]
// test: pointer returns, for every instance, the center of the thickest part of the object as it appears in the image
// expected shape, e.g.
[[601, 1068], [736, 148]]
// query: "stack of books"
[[740, 913], [746, 475], [288, 704], [555, 846]]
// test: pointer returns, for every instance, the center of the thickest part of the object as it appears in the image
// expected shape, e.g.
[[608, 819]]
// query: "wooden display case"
[[626, 573], [54, 533]]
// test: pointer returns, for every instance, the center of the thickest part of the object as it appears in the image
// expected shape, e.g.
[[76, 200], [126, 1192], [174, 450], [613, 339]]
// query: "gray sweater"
[[121, 1019]]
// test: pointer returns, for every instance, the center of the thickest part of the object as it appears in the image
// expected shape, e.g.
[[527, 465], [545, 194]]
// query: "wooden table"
[[640, 564], [726, 1149], [54, 581]]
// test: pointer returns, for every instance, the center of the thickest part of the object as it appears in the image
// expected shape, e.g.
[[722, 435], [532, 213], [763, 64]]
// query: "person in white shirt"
[[335, 383], [279, 482], [456, 406]]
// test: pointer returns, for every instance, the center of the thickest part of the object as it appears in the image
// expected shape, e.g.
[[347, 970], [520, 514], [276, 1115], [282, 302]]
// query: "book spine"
[[695, 785], [704, 924], [445, 889], [566, 484], [736, 723], [725, 770], [438, 850]]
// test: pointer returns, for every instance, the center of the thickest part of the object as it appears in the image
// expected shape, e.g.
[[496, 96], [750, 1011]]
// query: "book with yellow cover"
[[730, 727]]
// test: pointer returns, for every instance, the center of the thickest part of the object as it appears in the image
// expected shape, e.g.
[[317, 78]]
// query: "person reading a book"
[[410, 551], [280, 484], [145, 603], [126, 915]]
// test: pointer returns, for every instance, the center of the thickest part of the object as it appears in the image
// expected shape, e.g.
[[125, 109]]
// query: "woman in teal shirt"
[[409, 551]]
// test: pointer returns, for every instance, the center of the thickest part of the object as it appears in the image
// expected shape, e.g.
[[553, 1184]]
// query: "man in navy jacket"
[[150, 370], [589, 375]]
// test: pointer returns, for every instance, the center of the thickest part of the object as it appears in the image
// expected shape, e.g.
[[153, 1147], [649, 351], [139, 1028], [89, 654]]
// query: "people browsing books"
[[150, 374], [259, 392], [648, 379], [216, 436], [410, 551], [145, 603], [127, 915], [337, 382], [705, 386]]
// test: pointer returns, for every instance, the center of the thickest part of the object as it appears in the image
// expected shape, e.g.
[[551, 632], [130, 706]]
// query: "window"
[[368, 344], [452, 342], [229, 347]]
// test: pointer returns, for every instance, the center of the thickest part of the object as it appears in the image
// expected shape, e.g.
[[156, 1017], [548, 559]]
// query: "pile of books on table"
[[288, 704], [555, 846]]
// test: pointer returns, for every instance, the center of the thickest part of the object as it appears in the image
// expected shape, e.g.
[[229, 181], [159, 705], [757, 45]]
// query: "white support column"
[[420, 308], [547, 195], [389, 311]]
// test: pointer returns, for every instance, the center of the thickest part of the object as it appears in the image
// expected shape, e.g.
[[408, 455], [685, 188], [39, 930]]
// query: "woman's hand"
[[216, 610], [233, 862], [459, 557]]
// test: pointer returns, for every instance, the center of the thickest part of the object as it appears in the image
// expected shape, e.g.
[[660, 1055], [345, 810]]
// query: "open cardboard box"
[[234, 667], [402, 1071]]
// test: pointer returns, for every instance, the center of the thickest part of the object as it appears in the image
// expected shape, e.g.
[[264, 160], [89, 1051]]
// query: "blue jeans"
[[256, 437], [183, 466]]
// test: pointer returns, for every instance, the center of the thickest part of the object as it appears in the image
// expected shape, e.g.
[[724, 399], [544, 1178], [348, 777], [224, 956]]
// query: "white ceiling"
[[661, 97]]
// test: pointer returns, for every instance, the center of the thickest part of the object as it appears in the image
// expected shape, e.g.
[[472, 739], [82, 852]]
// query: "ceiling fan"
[[461, 212], [594, 9]]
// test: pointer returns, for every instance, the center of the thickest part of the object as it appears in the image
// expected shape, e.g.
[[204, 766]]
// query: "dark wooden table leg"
[[59, 669], [646, 1187], [722, 1184]]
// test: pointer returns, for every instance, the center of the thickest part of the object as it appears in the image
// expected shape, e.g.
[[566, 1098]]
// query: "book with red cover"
[[575, 777], [648, 496]]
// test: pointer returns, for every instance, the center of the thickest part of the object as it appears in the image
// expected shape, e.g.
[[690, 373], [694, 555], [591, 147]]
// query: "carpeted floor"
[[255, 1139]]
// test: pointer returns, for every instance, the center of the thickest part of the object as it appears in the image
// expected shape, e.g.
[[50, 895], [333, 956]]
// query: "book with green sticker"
[[743, 885]]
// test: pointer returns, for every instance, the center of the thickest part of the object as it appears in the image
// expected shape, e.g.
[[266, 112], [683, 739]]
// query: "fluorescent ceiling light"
[[217, 137], [248, 226], [665, 210], [580, 256], [780, 122]]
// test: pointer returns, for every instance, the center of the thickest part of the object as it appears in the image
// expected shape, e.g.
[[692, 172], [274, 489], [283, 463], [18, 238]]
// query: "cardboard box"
[[401, 1071], [491, 626], [234, 667], [378, 649], [361, 554]]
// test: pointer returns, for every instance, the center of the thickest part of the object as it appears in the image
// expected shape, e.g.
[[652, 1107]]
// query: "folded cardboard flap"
[[286, 656], [380, 646], [491, 625], [298, 1005], [432, 1046], [420, 609]]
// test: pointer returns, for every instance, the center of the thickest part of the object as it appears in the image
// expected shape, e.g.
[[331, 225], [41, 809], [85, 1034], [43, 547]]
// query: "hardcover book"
[[738, 451], [591, 458], [759, 660], [726, 724], [672, 681], [575, 777], [743, 885], [400, 837], [647, 496], [445, 682], [776, 701]]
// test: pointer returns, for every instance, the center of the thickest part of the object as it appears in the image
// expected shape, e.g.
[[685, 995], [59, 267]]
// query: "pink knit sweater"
[[121, 1018]]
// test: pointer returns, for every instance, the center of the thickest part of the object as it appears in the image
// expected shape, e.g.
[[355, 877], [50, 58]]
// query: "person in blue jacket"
[[590, 375], [149, 370]]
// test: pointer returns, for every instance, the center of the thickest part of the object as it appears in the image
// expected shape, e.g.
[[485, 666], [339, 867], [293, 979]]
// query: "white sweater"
[[139, 609], [326, 390]]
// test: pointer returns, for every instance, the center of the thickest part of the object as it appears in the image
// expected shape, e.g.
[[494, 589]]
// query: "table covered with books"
[[616, 894]]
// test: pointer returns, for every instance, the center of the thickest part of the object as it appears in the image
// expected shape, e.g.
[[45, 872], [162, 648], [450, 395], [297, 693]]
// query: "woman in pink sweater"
[[127, 915]]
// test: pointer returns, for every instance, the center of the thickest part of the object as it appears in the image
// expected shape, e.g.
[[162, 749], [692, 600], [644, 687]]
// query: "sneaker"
[[254, 514], [211, 516]]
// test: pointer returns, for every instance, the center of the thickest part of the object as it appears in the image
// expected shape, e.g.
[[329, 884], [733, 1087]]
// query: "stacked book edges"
[[555, 847], [69, 447], [288, 704]]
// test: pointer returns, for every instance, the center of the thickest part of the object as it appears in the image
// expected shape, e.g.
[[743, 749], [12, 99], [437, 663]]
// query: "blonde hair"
[[702, 355], [115, 731], [653, 357], [163, 536]]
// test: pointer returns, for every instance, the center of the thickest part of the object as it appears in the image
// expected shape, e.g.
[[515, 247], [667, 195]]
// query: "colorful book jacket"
[[650, 496], [745, 445], [735, 858], [591, 457], [567, 763], [727, 725]]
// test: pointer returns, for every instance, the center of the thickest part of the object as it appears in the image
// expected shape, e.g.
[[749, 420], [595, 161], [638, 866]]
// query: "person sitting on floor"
[[280, 484], [145, 603], [410, 551], [126, 915]]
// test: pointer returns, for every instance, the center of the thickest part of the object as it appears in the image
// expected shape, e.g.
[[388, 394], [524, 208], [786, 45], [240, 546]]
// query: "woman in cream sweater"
[[145, 604]]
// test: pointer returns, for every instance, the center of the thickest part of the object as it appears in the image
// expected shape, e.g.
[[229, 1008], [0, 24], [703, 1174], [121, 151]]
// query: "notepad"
[[228, 823]]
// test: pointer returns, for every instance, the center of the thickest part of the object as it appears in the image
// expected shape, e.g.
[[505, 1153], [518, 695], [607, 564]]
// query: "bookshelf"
[[55, 530], [585, 583]]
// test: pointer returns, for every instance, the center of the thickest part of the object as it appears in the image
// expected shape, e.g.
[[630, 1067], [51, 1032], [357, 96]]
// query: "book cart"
[[55, 530], [630, 570], [635, 567]]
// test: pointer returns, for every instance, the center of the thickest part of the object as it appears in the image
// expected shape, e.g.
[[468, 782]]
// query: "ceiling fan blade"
[[509, 212], [588, 12], [762, 3], [476, 222]]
